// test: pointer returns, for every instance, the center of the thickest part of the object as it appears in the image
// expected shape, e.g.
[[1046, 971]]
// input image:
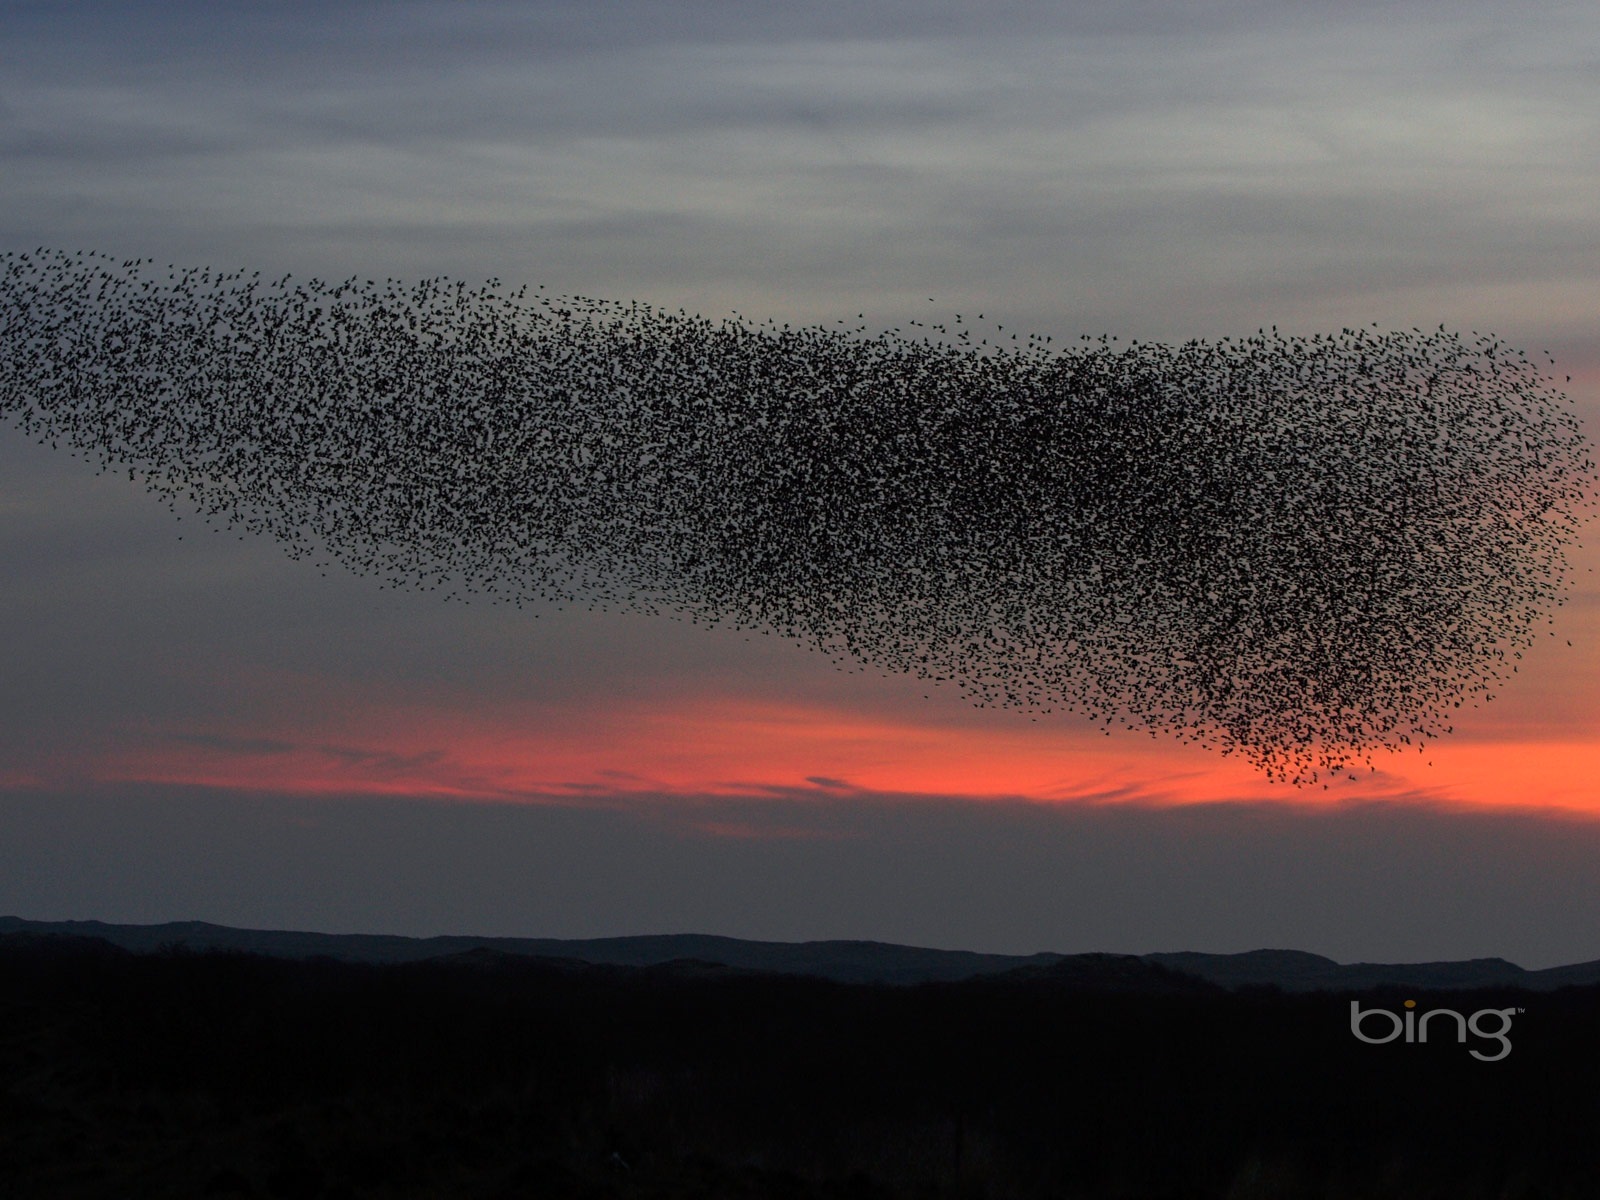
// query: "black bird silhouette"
[[1297, 548]]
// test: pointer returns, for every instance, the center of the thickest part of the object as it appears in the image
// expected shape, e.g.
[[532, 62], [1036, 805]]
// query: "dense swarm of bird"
[[1298, 548]]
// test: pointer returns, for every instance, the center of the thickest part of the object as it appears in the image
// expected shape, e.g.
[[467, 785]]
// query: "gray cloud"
[[1079, 167]]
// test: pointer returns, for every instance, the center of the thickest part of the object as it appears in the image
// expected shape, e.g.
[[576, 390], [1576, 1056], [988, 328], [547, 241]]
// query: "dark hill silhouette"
[[1295, 970], [57, 945], [485, 1073], [1106, 973], [839, 961]]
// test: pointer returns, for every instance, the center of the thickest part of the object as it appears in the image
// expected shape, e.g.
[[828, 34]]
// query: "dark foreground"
[[226, 1075]]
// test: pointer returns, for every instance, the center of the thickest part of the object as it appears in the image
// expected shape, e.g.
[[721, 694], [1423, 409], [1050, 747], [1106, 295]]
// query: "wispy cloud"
[[902, 766]]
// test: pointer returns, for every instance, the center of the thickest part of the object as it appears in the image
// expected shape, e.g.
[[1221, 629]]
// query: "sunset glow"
[[738, 749]]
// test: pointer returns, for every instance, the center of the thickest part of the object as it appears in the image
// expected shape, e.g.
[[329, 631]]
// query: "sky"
[[193, 725]]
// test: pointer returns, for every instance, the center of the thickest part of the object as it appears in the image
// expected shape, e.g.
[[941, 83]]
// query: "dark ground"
[[182, 1074]]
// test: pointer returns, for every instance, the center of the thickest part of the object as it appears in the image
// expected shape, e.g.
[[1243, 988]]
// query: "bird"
[[1299, 549]]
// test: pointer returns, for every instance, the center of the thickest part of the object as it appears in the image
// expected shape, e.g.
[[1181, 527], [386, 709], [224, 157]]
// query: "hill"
[[839, 961]]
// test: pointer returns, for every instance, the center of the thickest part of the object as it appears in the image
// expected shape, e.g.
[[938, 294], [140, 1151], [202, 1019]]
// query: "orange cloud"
[[717, 746]]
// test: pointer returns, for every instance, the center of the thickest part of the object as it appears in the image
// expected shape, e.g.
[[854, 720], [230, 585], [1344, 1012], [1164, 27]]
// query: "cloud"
[[1156, 172], [832, 785]]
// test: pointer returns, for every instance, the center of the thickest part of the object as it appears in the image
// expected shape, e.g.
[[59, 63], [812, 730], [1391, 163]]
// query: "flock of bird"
[[1296, 548]]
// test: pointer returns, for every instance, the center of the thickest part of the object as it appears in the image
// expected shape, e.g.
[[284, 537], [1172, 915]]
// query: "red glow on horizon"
[[719, 747]]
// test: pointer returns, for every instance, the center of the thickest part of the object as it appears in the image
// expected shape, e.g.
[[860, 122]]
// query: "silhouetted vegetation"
[[498, 1076]]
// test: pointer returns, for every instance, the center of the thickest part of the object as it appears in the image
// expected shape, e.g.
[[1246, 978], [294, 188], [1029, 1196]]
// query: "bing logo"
[[1415, 1028]]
